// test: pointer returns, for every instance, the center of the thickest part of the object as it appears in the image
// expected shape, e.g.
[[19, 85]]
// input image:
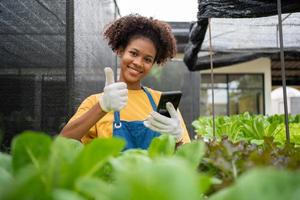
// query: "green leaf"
[[93, 187], [192, 152], [135, 152], [27, 184], [66, 148], [258, 127], [130, 159], [271, 130], [163, 179], [6, 162], [62, 194], [163, 145], [64, 151], [6, 178], [6, 181], [257, 142], [95, 154], [30, 148], [205, 182], [263, 184]]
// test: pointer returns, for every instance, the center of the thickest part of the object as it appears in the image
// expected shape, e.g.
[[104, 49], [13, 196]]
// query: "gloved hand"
[[165, 125], [115, 95]]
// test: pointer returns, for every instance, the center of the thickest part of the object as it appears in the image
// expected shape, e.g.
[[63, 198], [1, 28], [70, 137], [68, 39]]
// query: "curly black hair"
[[122, 30]]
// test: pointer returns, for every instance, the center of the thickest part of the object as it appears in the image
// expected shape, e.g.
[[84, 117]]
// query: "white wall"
[[260, 65]]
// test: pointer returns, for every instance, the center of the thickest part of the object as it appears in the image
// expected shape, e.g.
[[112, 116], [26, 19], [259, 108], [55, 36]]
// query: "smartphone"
[[170, 96]]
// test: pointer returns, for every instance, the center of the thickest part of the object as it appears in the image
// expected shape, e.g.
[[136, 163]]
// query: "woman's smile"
[[135, 70]]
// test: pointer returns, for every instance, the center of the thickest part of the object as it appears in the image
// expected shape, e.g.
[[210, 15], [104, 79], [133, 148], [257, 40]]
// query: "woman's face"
[[136, 61]]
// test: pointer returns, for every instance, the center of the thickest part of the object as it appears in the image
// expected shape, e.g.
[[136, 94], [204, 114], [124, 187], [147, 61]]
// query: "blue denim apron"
[[134, 132]]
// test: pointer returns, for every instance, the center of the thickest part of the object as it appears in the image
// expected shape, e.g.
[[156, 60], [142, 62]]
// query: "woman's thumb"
[[172, 111], [109, 76]]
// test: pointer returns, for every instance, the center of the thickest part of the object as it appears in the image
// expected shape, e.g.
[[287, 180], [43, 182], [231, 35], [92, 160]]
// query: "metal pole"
[[70, 56], [116, 14], [212, 80], [287, 131]]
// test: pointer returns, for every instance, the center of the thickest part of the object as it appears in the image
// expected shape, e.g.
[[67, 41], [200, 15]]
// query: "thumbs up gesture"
[[115, 95]]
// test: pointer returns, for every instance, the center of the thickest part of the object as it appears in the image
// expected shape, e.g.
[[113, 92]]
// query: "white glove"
[[115, 95], [165, 125]]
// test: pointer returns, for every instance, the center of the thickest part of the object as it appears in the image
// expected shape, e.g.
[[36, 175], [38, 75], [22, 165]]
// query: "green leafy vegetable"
[[263, 184], [163, 145]]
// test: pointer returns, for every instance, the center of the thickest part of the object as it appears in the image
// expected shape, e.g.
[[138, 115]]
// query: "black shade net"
[[241, 31], [34, 54]]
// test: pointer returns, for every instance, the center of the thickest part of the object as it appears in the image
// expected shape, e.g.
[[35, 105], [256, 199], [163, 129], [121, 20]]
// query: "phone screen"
[[170, 96]]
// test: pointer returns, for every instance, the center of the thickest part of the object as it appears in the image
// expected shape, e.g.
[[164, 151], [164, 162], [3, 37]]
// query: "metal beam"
[[70, 56]]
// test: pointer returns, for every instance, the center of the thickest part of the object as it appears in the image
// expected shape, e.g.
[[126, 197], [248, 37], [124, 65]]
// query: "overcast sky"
[[166, 10]]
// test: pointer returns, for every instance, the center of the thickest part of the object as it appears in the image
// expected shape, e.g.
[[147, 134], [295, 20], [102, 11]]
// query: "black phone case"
[[170, 96]]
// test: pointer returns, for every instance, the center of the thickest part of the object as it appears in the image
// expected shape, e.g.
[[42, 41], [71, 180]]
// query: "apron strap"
[[117, 122], [150, 98]]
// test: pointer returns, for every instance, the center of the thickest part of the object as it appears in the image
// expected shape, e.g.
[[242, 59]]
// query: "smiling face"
[[137, 60]]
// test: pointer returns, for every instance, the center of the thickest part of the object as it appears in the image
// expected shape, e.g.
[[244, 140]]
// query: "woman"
[[126, 108]]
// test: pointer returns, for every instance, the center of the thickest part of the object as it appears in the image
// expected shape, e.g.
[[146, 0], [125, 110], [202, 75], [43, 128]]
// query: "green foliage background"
[[41, 167]]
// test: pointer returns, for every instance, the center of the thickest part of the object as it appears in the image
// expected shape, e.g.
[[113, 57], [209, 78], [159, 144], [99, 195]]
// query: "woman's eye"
[[133, 53], [148, 60]]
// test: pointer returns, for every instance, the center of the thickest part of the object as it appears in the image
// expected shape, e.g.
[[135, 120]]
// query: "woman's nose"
[[138, 61]]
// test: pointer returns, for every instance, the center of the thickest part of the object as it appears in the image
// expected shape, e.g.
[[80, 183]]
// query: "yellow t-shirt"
[[138, 108]]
